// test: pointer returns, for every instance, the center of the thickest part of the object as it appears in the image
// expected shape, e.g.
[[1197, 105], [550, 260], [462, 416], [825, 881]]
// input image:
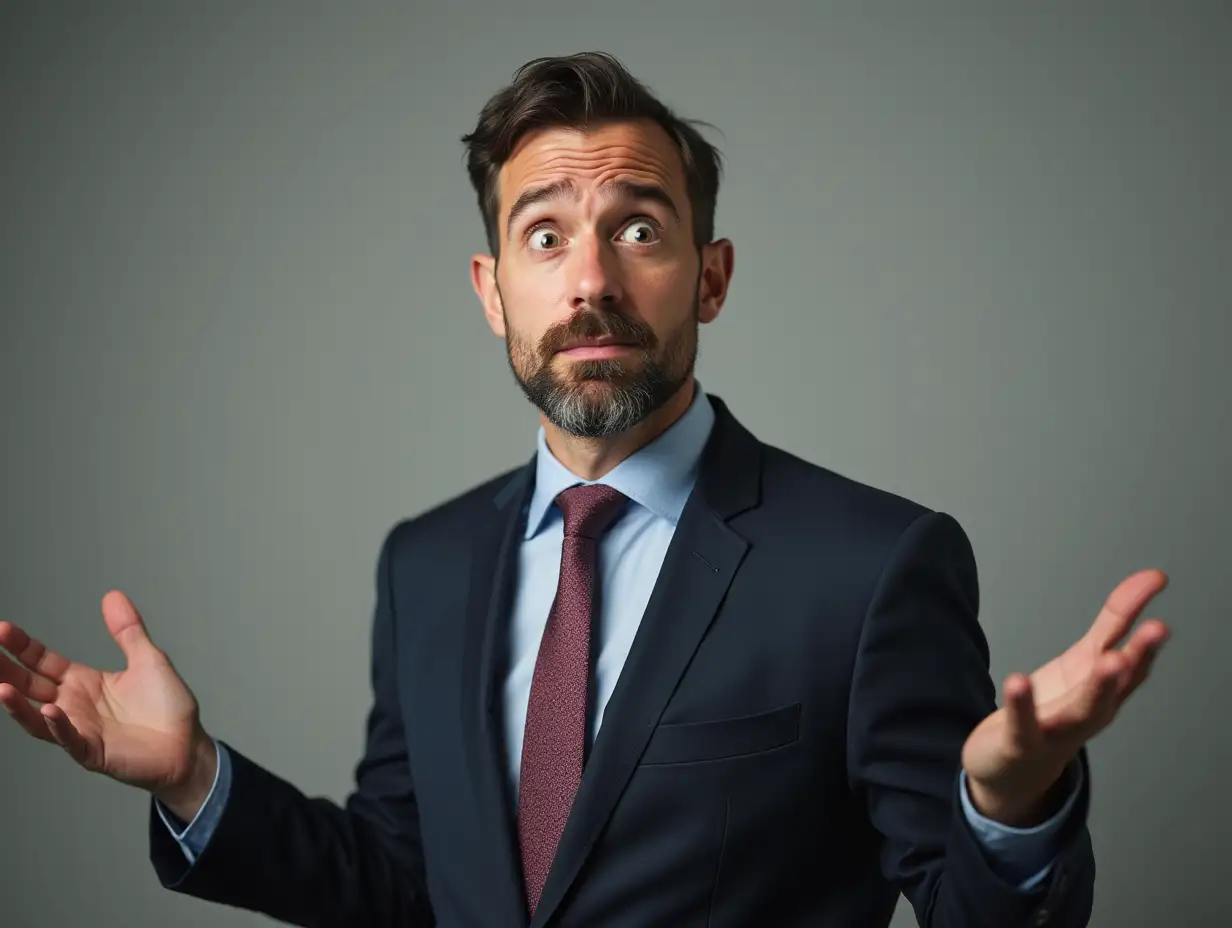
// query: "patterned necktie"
[[555, 738]]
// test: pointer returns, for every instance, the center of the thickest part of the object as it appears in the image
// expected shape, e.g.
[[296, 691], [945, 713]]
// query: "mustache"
[[597, 324]]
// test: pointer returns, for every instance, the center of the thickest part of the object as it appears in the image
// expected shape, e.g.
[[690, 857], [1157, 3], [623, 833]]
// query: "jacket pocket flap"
[[723, 738]]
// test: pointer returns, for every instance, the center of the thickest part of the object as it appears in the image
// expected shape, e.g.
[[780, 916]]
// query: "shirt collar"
[[658, 476]]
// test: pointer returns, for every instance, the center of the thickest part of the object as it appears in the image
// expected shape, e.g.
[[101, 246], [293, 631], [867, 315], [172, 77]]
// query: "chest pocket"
[[722, 739]]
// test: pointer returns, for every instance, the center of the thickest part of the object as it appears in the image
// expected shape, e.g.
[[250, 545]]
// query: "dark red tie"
[[555, 738]]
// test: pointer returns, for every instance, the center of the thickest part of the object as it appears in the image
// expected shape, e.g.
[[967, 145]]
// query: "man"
[[662, 675]]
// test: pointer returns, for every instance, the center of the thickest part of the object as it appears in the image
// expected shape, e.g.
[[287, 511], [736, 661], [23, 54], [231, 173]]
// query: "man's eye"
[[544, 239], [640, 233]]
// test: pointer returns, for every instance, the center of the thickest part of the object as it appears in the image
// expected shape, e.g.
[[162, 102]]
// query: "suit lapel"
[[492, 576], [699, 566]]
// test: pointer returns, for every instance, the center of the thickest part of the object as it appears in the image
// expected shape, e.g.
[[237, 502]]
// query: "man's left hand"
[[1015, 758]]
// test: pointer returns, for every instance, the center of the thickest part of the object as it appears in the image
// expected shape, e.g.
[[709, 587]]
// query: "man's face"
[[596, 290]]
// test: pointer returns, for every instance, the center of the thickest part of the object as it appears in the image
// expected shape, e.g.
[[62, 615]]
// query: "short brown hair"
[[580, 91]]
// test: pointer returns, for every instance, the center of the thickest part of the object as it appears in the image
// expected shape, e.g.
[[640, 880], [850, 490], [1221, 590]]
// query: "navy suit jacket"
[[782, 748]]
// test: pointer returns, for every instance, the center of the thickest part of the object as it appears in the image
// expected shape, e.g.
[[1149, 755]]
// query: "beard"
[[603, 397]]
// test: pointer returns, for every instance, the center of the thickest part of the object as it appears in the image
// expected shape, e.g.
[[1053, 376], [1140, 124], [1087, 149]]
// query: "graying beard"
[[624, 407]]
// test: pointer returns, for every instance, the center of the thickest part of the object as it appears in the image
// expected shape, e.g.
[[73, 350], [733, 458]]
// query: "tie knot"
[[589, 510]]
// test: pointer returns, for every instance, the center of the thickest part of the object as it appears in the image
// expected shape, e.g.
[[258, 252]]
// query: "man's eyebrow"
[[557, 190], [564, 189], [631, 190]]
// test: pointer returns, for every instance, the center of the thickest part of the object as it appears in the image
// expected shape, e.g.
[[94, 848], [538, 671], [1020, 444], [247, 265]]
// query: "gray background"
[[982, 261]]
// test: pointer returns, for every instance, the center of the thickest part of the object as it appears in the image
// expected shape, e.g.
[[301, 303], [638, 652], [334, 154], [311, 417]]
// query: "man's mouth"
[[598, 348]]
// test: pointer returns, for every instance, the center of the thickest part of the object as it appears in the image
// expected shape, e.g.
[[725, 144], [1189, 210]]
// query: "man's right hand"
[[140, 725]]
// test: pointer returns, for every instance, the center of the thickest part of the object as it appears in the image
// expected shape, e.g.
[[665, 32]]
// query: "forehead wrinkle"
[[604, 162]]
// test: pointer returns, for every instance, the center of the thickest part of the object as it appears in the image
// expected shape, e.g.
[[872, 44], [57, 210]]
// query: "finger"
[[33, 653], [1148, 638], [1022, 726], [1123, 606], [128, 628], [1140, 653], [30, 684], [65, 734], [24, 713]]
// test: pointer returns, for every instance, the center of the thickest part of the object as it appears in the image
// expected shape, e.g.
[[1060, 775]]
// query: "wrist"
[[185, 797], [1019, 809]]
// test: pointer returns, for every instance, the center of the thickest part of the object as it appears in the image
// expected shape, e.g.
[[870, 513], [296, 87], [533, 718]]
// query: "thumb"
[[127, 628]]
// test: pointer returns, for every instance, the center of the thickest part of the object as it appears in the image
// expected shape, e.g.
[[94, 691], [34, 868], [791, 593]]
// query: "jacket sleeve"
[[306, 860], [921, 684]]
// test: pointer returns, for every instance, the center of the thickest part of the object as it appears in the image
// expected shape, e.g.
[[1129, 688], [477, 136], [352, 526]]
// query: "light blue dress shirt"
[[657, 479]]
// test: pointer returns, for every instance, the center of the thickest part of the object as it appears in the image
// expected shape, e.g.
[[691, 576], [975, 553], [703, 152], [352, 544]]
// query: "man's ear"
[[718, 264], [483, 279]]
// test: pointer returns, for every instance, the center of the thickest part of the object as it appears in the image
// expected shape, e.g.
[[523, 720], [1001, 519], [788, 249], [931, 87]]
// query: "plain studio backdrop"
[[982, 261]]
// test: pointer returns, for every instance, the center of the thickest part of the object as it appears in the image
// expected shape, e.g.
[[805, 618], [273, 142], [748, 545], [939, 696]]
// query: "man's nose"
[[594, 274]]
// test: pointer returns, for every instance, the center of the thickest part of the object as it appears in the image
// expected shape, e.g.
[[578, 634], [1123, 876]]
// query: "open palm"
[[135, 725], [1047, 716]]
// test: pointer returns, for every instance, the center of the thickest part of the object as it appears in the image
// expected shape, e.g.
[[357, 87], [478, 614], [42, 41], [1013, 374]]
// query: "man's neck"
[[591, 458]]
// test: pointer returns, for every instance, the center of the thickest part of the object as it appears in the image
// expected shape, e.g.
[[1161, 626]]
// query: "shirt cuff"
[[1022, 856], [194, 837]]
